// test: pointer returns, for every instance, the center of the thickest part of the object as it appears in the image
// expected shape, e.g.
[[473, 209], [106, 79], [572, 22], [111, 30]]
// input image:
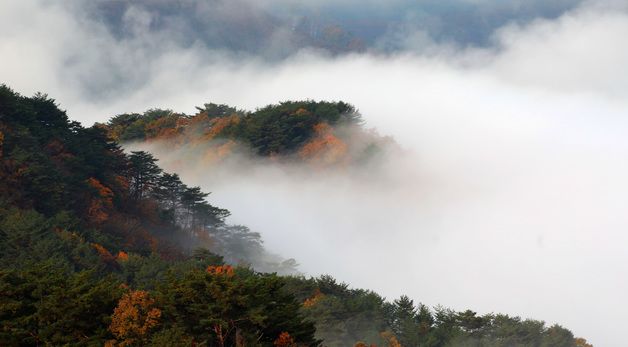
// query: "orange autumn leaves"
[[314, 299], [388, 337], [164, 128], [362, 344], [108, 258], [200, 132], [122, 256], [104, 254], [194, 130], [284, 340], [134, 318], [325, 148], [212, 139], [218, 125], [221, 270], [101, 203]]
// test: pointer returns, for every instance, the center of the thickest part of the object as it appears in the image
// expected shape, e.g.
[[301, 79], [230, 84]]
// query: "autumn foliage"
[[284, 340], [314, 299], [134, 317], [362, 344], [324, 148], [390, 339], [218, 125], [122, 256], [104, 254], [101, 203], [220, 270], [292, 130]]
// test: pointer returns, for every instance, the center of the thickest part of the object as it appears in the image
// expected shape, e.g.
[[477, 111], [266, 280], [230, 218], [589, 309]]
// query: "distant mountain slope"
[[319, 133], [100, 248]]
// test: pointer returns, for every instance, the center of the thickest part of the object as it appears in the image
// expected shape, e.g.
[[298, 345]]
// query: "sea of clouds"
[[510, 194]]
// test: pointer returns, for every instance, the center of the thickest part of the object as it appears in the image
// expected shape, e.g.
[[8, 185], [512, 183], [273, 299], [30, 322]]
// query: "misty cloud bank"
[[509, 196]]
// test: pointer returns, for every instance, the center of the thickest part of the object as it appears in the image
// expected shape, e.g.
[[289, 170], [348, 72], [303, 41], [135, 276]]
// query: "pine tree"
[[405, 324], [143, 174]]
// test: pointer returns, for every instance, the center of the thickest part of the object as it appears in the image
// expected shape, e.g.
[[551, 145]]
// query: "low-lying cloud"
[[511, 192]]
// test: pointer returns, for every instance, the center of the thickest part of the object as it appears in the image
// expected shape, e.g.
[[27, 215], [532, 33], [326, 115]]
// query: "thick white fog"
[[511, 194]]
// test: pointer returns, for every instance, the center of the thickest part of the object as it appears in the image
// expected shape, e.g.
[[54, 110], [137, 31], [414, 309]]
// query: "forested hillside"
[[101, 247], [319, 133]]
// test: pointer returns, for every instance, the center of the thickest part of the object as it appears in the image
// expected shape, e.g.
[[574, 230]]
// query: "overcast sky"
[[511, 195]]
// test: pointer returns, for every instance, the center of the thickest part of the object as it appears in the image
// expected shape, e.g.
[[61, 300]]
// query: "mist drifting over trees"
[[469, 154]]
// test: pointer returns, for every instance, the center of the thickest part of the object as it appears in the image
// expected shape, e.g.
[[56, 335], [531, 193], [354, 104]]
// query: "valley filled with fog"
[[507, 190]]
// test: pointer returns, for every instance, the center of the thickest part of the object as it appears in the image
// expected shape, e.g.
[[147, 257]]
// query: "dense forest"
[[101, 247], [319, 133]]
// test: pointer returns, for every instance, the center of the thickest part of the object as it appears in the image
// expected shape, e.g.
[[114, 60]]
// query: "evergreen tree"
[[404, 323], [168, 191], [143, 174]]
